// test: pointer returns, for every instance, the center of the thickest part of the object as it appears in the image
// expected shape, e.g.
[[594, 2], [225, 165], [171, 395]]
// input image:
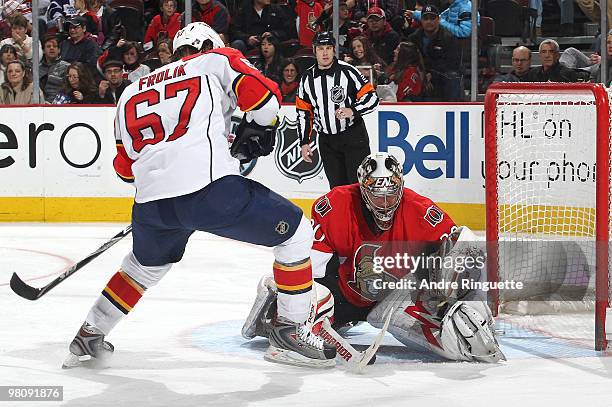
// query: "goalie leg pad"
[[264, 308], [321, 307], [258, 321], [413, 323], [467, 335]]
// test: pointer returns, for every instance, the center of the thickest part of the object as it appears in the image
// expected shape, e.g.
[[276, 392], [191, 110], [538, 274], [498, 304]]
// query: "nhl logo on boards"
[[282, 227], [337, 94], [288, 153]]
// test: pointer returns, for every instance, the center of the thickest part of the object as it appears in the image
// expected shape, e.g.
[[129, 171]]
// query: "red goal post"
[[519, 122]]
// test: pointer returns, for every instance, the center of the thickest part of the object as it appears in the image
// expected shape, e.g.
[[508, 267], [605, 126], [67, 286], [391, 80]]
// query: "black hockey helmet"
[[324, 38]]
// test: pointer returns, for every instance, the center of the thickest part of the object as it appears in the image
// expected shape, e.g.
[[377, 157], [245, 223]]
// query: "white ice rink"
[[181, 346]]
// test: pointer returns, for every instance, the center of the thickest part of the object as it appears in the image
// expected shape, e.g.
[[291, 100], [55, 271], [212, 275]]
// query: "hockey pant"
[[250, 213]]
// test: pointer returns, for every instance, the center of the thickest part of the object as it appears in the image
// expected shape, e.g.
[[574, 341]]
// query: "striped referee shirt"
[[322, 92]]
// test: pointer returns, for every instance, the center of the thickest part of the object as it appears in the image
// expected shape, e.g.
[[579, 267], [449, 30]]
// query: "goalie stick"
[[356, 361], [31, 293]]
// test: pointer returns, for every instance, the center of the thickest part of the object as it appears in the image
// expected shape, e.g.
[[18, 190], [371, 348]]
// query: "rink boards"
[[56, 161]]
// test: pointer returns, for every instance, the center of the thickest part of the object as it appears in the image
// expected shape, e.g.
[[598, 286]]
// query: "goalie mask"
[[382, 185]]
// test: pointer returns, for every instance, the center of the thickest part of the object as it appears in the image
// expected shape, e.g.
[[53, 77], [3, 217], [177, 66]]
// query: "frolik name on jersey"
[[162, 75]]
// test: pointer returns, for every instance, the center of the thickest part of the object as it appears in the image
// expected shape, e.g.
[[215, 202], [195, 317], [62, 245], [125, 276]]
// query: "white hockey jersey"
[[172, 125]]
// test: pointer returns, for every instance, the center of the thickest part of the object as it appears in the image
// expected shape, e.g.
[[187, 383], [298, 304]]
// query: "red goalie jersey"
[[341, 227]]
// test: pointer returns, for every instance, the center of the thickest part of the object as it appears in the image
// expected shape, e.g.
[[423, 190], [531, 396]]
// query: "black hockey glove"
[[253, 140]]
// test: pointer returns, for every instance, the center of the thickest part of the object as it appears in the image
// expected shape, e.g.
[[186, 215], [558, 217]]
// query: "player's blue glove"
[[253, 140]]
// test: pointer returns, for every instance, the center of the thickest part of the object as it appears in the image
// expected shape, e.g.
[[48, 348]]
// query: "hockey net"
[[547, 158]]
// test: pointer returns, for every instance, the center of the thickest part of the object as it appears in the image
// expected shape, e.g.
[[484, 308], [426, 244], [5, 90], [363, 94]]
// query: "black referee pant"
[[343, 152]]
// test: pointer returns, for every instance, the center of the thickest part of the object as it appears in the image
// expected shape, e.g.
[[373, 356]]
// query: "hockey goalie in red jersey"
[[357, 227]]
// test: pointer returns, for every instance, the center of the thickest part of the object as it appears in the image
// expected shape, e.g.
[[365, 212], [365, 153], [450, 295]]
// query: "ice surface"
[[181, 346]]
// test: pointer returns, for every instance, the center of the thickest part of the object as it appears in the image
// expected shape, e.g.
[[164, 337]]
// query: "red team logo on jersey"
[[434, 216], [363, 270], [322, 206]]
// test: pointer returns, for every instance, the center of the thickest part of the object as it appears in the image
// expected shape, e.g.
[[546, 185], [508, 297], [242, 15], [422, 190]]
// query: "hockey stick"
[[31, 293], [357, 361]]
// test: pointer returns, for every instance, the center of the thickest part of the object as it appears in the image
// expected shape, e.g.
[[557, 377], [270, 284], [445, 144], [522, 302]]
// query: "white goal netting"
[[546, 175]]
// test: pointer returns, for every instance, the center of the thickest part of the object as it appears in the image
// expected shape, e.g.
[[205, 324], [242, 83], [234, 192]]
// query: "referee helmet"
[[324, 38]]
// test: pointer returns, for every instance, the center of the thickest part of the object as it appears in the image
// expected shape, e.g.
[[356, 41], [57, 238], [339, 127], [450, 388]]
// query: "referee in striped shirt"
[[332, 97]]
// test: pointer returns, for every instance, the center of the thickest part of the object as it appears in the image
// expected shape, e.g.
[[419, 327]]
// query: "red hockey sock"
[[123, 292], [293, 279]]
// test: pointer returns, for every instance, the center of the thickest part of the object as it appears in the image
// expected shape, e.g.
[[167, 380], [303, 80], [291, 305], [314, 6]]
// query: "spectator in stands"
[[361, 9], [362, 53], [9, 9], [258, 17], [566, 8], [52, 69], [551, 70], [574, 58], [92, 22], [441, 55], [8, 53], [591, 9], [456, 19], [521, 64], [164, 25], [162, 55], [79, 46], [131, 54], [596, 69], [59, 12], [308, 13], [407, 24], [346, 25], [129, 14], [17, 88], [382, 37], [19, 37], [363, 56], [271, 60], [164, 51], [408, 73], [103, 12], [113, 84], [79, 86], [291, 80], [211, 12]]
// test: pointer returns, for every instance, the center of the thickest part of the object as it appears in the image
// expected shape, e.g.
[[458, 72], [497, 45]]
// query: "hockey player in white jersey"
[[355, 224], [172, 131]]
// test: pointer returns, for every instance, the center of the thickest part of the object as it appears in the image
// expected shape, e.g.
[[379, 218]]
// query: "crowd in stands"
[[90, 50]]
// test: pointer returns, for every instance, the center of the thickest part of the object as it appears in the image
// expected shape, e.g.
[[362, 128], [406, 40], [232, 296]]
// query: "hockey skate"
[[88, 346], [295, 344]]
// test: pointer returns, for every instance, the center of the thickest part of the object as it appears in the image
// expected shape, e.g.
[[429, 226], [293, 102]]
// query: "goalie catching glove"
[[253, 140]]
